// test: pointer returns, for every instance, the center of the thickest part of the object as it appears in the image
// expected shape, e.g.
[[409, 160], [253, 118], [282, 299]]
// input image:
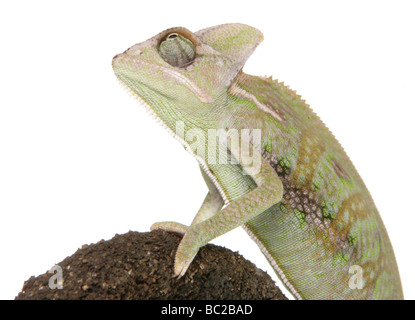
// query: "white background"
[[80, 160]]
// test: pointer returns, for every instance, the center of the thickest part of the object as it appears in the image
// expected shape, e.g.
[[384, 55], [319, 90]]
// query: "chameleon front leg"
[[208, 225], [268, 192], [211, 205]]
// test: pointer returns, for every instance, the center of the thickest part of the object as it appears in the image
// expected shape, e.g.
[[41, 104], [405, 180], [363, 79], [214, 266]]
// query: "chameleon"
[[269, 162]]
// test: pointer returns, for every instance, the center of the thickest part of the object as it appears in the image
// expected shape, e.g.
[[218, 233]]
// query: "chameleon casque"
[[304, 205]]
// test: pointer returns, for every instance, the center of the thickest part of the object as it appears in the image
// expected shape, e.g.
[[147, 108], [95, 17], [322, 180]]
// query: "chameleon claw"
[[180, 267]]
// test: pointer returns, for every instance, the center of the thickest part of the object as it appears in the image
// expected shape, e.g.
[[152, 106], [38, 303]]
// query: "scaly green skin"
[[306, 207]]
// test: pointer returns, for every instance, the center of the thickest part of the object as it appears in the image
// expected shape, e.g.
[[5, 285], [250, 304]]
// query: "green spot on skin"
[[268, 145], [301, 217], [329, 209], [352, 240], [319, 275], [316, 186], [340, 259], [283, 208]]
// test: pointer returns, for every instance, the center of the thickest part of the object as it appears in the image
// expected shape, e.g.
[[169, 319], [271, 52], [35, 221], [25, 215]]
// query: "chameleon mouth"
[[122, 59]]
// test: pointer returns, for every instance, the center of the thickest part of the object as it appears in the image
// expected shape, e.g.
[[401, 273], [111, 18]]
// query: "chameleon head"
[[184, 75]]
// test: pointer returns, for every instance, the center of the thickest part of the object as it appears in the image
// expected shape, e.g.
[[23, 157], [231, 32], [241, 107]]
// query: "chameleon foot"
[[170, 226], [187, 249], [186, 252], [182, 264]]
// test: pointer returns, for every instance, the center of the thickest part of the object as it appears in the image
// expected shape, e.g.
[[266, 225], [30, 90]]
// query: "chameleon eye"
[[177, 50]]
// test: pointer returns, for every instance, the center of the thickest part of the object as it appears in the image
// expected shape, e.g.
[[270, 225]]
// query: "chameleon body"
[[304, 203]]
